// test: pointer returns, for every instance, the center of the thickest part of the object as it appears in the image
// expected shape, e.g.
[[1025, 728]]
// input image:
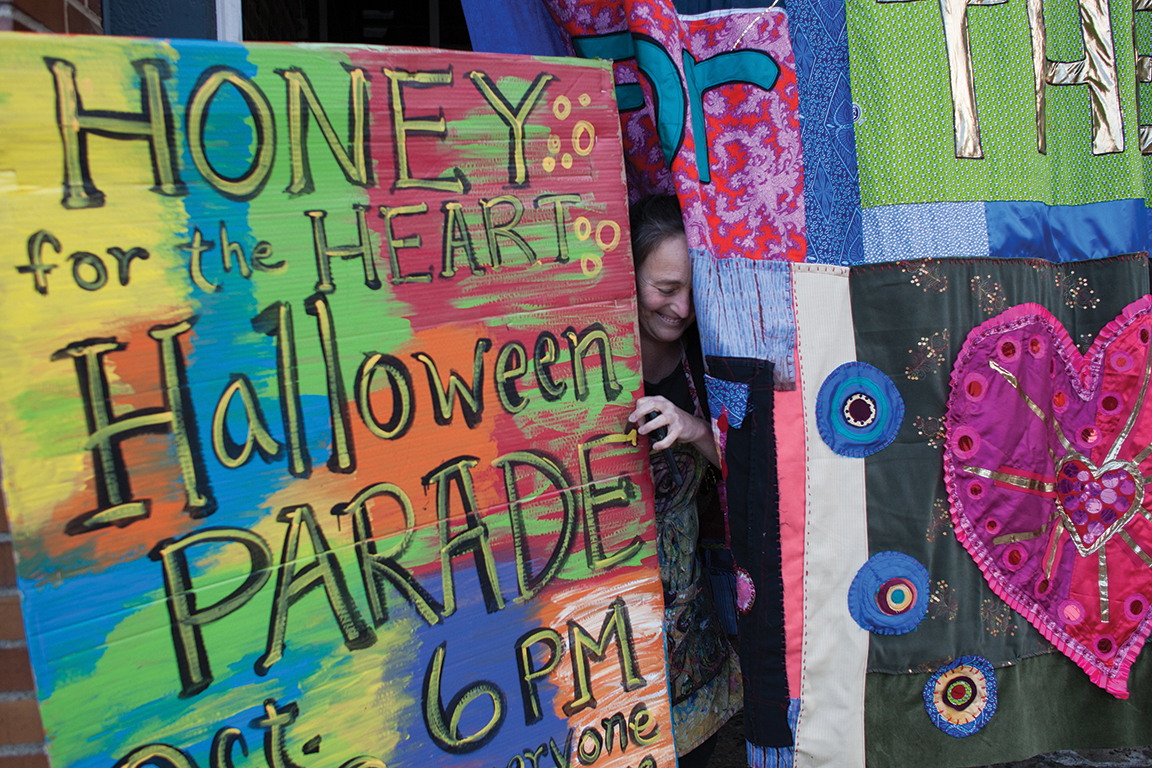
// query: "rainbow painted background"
[[315, 364]]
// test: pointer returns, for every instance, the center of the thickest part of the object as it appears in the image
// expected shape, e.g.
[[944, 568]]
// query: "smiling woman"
[[666, 312], [664, 291], [703, 671]]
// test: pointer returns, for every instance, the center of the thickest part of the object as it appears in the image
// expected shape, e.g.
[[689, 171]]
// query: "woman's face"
[[664, 291]]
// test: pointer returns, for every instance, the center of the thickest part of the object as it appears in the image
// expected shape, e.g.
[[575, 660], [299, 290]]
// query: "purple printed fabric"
[[720, 107]]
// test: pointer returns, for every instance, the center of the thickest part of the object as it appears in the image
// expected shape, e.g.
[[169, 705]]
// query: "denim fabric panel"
[[744, 309]]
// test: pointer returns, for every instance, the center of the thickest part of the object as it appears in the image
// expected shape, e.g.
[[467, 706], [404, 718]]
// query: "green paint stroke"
[[125, 693], [280, 218]]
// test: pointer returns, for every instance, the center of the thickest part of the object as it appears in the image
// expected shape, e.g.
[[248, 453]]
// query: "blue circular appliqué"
[[889, 595], [858, 410], [961, 697]]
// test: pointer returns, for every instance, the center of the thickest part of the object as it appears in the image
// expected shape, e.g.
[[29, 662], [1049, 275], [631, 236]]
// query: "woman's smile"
[[664, 291]]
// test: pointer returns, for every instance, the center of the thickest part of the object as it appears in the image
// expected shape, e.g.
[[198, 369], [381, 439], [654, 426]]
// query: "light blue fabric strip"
[[744, 309], [925, 231]]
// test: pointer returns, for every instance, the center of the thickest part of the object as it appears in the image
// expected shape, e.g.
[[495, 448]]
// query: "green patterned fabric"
[[904, 133]]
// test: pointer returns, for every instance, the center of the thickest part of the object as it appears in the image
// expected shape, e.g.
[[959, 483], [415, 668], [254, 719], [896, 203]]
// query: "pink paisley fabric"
[[1045, 464], [753, 206]]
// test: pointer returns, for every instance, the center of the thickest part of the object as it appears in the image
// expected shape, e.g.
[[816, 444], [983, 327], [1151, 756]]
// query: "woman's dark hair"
[[653, 220]]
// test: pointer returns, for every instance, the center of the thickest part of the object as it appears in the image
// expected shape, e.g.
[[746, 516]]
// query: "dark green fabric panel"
[[910, 320], [1046, 703]]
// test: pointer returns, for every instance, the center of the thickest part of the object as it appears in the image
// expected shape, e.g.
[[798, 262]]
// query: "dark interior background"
[[434, 23]]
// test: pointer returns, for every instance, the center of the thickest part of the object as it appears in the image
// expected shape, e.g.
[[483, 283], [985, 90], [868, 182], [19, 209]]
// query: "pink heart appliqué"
[[1046, 464]]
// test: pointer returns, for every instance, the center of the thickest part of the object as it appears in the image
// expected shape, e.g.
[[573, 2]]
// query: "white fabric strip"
[[830, 730]]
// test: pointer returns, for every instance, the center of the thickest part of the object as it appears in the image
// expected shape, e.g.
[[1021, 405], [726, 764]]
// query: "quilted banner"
[[1001, 129], [1005, 602], [709, 109], [1077, 509], [317, 363]]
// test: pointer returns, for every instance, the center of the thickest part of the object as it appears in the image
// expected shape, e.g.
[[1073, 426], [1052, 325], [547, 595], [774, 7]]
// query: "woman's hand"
[[682, 426]]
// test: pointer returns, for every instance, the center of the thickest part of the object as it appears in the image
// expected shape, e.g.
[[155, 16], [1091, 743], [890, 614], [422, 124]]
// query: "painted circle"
[[583, 228], [858, 410], [584, 99], [591, 264], [554, 144], [889, 594], [566, 160], [609, 245], [549, 164], [561, 107], [581, 145], [960, 697]]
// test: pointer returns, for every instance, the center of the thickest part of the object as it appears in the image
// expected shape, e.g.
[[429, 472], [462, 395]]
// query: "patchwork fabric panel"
[[827, 502], [951, 110], [907, 232], [1044, 469], [1043, 703], [1028, 110], [827, 128], [753, 499], [715, 99], [744, 309], [910, 321]]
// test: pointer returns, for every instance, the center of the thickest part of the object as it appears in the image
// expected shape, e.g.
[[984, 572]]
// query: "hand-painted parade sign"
[[316, 366]]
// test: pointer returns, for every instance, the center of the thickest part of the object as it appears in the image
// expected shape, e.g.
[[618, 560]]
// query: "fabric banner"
[[693, 93], [317, 363], [911, 321], [1001, 129], [834, 650]]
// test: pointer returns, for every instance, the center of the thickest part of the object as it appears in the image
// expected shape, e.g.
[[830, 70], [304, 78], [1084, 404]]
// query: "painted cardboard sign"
[[316, 369]]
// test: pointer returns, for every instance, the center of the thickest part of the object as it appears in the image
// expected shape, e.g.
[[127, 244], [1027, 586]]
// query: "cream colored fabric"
[[830, 729]]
